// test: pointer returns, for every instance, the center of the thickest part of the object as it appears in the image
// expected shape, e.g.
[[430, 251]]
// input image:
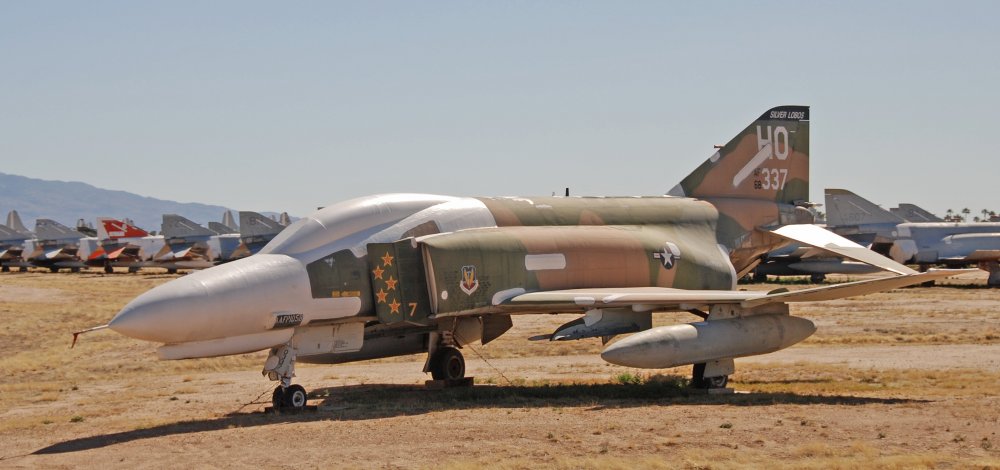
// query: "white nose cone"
[[232, 299]]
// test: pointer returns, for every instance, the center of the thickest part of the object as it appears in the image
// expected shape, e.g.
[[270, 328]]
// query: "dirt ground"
[[905, 379]]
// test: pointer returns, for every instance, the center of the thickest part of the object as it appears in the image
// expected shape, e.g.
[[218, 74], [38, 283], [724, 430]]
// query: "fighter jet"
[[256, 230], [12, 249], [123, 245], [57, 246], [397, 274], [952, 244]]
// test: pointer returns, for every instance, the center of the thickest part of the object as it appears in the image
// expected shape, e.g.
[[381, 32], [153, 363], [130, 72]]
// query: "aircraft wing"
[[662, 298], [826, 240]]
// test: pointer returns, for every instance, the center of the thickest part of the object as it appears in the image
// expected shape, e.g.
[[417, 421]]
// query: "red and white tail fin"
[[113, 229]]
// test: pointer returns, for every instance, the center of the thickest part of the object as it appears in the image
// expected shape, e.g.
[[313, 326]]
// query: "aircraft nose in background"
[[233, 299]]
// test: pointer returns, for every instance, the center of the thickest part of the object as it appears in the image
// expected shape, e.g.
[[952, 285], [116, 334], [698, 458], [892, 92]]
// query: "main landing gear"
[[698, 379], [447, 363]]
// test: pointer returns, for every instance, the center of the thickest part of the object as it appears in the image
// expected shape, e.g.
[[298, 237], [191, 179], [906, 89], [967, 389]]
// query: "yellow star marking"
[[391, 283], [381, 296], [394, 306], [387, 260], [378, 272]]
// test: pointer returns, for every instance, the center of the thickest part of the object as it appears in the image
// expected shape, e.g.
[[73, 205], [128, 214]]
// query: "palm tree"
[[965, 214], [948, 214], [986, 214]]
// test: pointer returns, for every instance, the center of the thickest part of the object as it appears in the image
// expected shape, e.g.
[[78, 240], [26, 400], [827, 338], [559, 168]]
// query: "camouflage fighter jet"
[[952, 244], [397, 274]]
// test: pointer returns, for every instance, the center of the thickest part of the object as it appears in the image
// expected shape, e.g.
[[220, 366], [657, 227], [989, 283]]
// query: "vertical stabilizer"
[[175, 226], [914, 213], [50, 230], [113, 229], [253, 224], [768, 161], [14, 222], [228, 221], [846, 208]]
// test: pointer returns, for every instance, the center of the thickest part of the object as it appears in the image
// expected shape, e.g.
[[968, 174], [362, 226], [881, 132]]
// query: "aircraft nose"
[[232, 299]]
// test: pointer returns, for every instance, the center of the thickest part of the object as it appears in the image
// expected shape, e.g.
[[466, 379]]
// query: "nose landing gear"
[[280, 366]]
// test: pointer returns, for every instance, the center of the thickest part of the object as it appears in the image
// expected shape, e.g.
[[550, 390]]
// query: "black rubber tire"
[[817, 278], [278, 398], [295, 397], [74, 270], [759, 277], [448, 364], [171, 271], [5, 269], [108, 269], [53, 269], [716, 382], [133, 270]]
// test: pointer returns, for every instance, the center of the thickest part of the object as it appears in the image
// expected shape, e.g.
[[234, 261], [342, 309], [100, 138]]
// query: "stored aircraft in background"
[[57, 246], [256, 230], [398, 274], [952, 244]]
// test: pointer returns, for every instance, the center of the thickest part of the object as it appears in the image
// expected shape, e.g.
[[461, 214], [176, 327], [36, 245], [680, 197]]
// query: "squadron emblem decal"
[[469, 282], [669, 256]]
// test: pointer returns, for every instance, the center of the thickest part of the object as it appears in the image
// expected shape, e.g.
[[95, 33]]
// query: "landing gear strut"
[[698, 379]]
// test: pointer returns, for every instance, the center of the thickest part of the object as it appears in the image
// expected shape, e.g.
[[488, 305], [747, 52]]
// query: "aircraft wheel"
[[22, 269], [716, 382], [278, 398], [5, 269], [759, 277], [295, 397], [108, 269], [448, 364], [171, 271], [817, 278], [53, 269], [74, 270], [133, 270]]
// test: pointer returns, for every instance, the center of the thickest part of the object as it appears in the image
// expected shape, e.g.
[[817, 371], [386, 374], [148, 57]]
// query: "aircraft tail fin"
[[14, 222], [48, 229], [113, 229], [914, 213], [175, 226], [769, 160], [8, 234], [846, 208], [253, 224], [228, 221], [221, 228]]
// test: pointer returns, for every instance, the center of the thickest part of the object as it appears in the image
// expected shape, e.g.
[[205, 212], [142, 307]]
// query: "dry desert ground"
[[904, 379]]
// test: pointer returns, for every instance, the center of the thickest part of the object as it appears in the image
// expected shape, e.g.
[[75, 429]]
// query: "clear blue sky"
[[293, 105]]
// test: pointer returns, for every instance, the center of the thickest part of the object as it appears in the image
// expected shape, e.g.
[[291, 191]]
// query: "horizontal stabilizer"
[[828, 241]]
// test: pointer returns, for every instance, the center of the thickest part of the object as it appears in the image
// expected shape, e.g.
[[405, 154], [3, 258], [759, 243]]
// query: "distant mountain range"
[[68, 201]]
